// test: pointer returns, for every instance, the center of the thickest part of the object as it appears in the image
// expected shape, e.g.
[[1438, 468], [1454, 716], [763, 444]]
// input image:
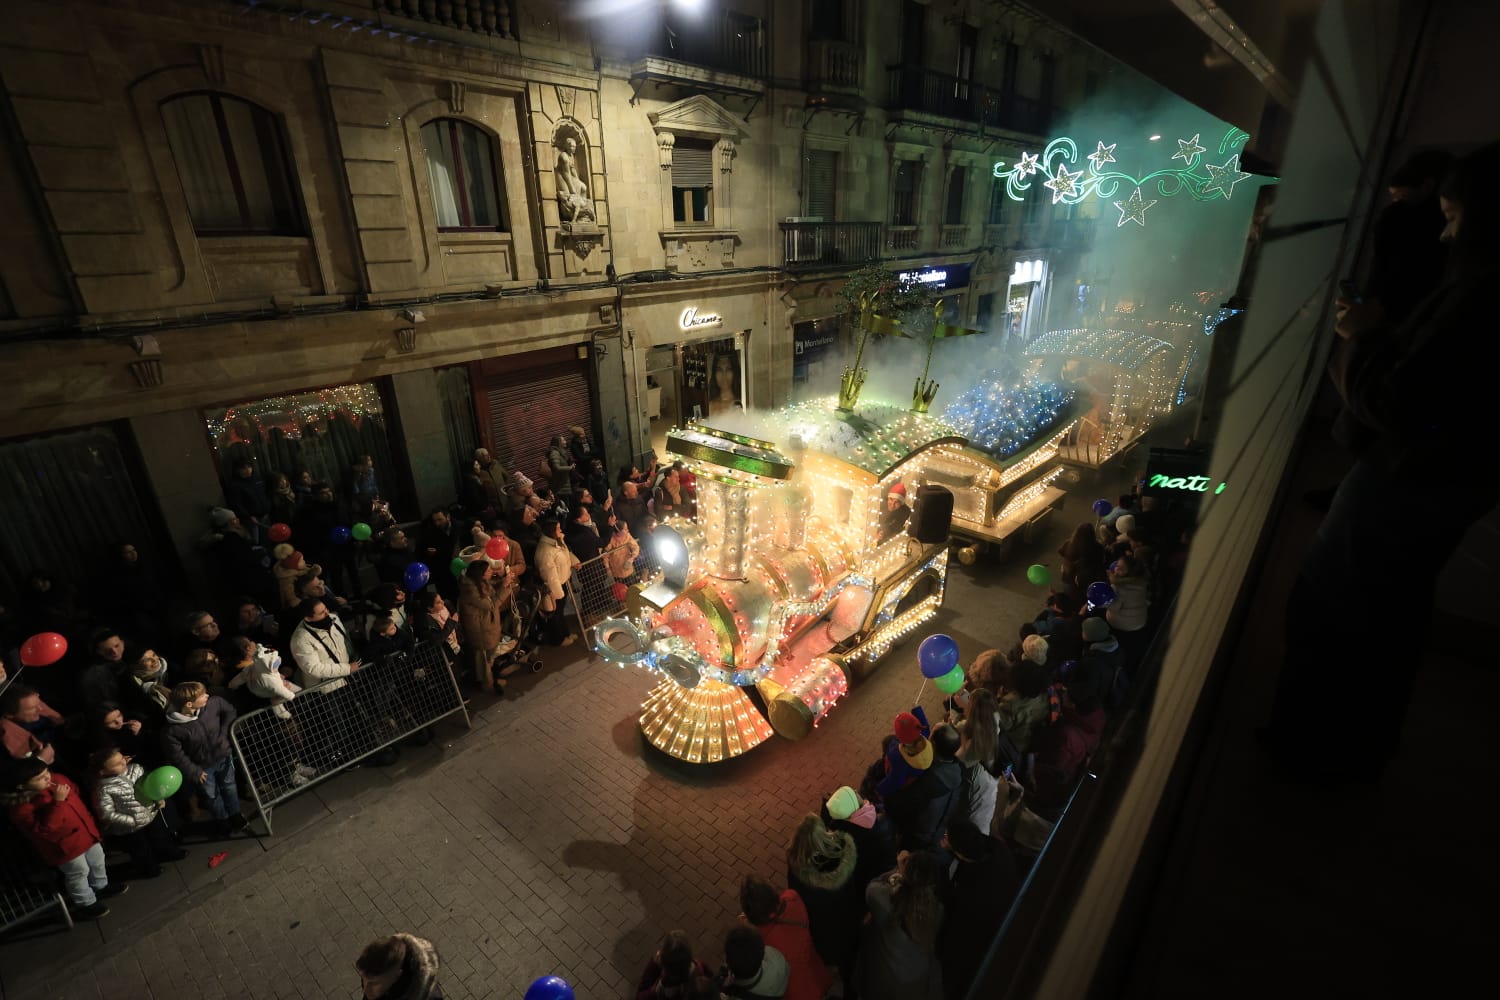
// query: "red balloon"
[[43, 649], [280, 532], [620, 591], [497, 549]]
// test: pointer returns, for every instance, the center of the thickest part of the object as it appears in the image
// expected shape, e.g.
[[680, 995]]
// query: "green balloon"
[[457, 566], [1039, 574], [952, 681], [361, 531], [162, 783]]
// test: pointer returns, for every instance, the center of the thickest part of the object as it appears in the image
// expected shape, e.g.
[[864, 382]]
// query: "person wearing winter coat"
[[399, 967], [258, 672], [483, 593], [140, 824], [555, 565], [671, 970], [321, 647], [50, 813], [753, 970], [781, 918], [196, 742], [1128, 613], [820, 866], [981, 884], [898, 947], [560, 465], [623, 550]]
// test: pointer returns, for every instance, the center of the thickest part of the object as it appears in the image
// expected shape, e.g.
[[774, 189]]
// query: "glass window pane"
[[441, 173], [198, 152], [249, 158], [479, 176]]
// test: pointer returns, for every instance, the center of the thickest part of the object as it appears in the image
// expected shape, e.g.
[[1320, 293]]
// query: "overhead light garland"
[[1197, 178]]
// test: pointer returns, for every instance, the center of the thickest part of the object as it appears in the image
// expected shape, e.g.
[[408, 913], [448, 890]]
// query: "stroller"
[[522, 623]]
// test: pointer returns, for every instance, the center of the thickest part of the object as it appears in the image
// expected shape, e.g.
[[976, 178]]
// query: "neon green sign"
[[1196, 484]]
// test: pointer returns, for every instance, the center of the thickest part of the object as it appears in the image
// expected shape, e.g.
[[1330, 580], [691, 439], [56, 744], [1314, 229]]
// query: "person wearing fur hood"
[[399, 967], [259, 672], [820, 866], [287, 569]]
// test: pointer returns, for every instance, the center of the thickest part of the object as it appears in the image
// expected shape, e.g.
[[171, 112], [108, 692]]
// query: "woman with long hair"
[[820, 866], [1083, 559], [898, 950]]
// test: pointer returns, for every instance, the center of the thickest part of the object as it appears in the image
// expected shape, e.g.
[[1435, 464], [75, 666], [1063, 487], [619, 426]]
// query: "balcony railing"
[[834, 65], [724, 40], [899, 238], [829, 244], [485, 17], [954, 237], [914, 88]]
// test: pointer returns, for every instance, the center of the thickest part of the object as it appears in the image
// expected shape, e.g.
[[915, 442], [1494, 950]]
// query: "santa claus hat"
[[897, 490]]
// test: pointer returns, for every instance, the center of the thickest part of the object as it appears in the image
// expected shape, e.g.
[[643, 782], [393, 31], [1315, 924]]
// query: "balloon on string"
[[951, 682], [619, 591], [457, 566], [1039, 574], [937, 655], [1101, 594], [1103, 507], [549, 988], [497, 549], [339, 535], [280, 532], [416, 576], [162, 783], [43, 649], [361, 531]]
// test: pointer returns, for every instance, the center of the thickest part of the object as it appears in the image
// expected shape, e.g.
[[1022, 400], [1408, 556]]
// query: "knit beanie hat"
[[280, 552], [843, 802], [908, 728], [1095, 630], [1034, 648], [220, 517], [1125, 524]]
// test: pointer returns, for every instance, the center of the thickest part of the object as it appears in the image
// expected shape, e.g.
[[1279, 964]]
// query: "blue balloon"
[[1103, 507], [1101, 594], [339, 535], [937, 655], [417, 575], [549, 988]]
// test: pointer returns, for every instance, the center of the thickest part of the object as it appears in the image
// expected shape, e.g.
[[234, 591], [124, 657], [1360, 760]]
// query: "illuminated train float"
[[792, 580]]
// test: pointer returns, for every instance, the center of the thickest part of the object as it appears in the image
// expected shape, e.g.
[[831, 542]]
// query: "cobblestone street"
[[548, 840]]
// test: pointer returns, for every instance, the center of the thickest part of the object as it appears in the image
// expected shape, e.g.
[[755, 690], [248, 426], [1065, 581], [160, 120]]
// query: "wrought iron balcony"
[[484, 17], [915, 88], [723, 40], [806, 245]]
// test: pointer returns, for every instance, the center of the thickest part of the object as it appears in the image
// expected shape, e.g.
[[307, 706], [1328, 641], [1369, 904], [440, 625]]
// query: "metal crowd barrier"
[[592, 588], [285, 750], [21, 899]]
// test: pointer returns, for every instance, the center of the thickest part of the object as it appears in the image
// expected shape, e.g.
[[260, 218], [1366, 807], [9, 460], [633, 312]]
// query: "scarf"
[[325, 624]]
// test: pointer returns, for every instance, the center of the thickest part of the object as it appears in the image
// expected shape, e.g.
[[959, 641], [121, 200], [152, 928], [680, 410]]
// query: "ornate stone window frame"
[[701, 118]]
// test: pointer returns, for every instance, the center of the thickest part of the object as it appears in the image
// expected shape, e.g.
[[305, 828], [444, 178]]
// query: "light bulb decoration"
[[1197, 178]]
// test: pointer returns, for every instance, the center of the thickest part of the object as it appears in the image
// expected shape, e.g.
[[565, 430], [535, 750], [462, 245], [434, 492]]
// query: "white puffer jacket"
[[554, 564], [262, 678], [321, 654], [116, 806]]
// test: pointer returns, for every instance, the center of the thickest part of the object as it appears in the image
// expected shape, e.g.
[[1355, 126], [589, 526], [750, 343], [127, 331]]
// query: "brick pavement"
[[548, 840]]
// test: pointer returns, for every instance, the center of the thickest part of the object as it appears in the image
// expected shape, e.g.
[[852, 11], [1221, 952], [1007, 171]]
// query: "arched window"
[[466, 190], [232, 159]]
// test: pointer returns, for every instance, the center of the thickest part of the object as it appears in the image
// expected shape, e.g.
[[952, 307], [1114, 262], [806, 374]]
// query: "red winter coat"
[[791, 934], [60, 831]]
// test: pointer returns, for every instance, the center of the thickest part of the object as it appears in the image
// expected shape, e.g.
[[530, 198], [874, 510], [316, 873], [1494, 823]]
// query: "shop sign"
[[951, 276], [692, 319], [812, 343]]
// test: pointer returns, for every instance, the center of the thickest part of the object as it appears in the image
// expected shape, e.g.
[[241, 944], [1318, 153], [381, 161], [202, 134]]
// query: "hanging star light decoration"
[[1188, 150], [1062, 183], [1198, 180], [1133, 209], [1224, 178]]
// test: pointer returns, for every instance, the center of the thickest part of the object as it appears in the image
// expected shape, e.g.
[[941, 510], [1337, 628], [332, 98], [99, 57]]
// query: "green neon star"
[[1224, 178], [1133, 209]]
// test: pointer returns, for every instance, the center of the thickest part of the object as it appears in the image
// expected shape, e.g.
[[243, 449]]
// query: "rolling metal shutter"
[[822, 184], [528, 406], [692, 164]]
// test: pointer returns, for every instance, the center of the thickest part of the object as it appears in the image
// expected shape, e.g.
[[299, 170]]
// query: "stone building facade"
[[484, 220]]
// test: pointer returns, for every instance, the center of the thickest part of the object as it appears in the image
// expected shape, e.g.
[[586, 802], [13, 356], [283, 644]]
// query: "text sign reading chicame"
[[692, 319]]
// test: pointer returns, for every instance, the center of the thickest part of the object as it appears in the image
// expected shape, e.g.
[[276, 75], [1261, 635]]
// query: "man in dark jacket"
[[313, 531], [245, 494], [196, 742], [1102, 660], [982, 883], [921, 809], [239, 566]]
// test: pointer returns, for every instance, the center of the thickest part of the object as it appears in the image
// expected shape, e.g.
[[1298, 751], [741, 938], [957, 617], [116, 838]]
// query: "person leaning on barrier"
[[321, 646]]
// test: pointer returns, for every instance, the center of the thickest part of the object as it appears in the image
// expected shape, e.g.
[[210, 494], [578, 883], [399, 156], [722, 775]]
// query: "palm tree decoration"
[[886, 306]]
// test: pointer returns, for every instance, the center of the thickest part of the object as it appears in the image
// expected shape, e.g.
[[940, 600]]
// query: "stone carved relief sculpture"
[[571, 170]]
